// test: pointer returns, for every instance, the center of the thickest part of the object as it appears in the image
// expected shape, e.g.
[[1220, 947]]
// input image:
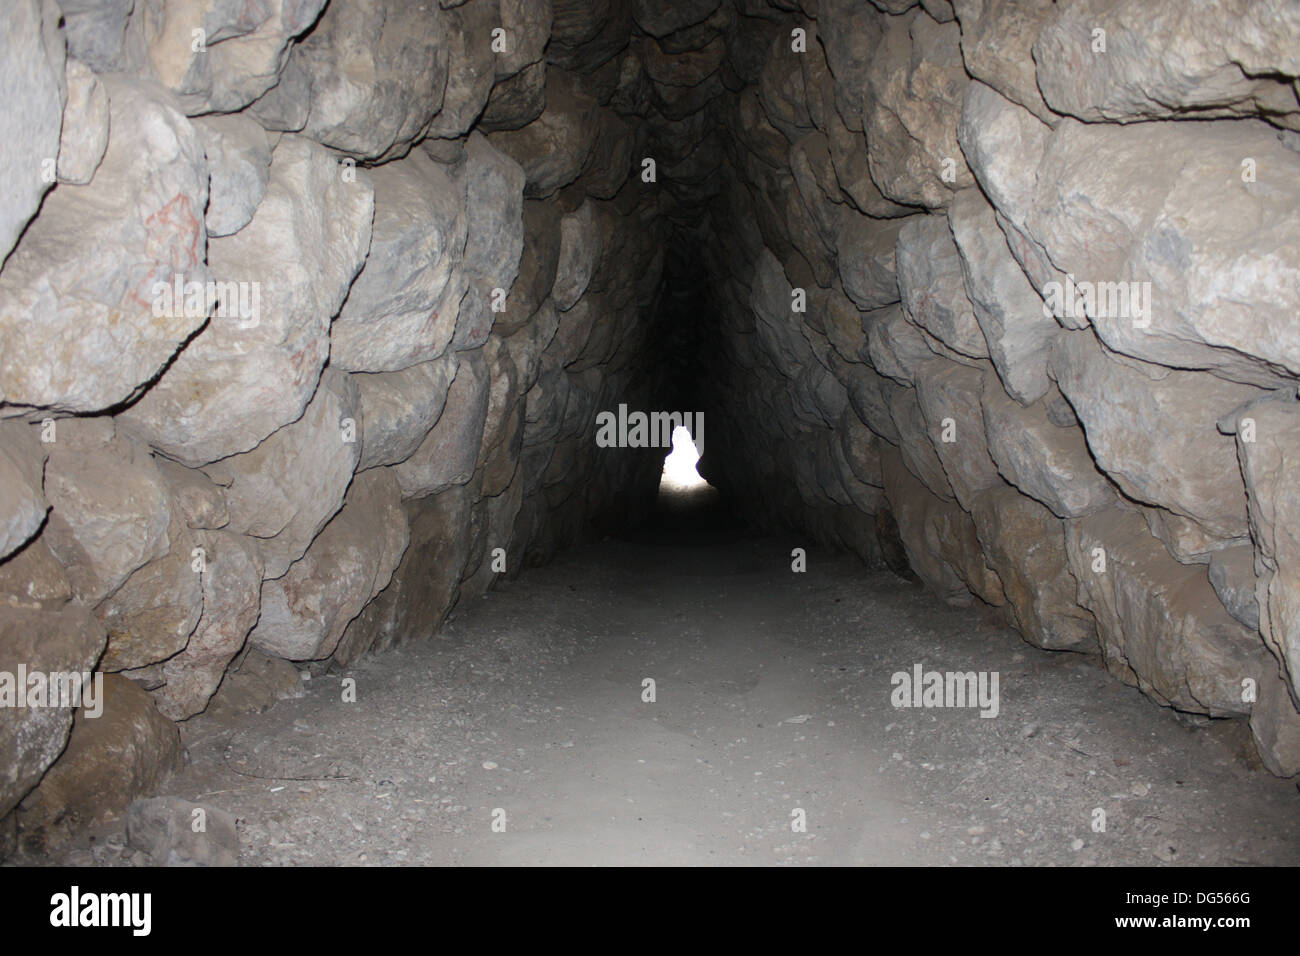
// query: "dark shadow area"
[[682, 513]]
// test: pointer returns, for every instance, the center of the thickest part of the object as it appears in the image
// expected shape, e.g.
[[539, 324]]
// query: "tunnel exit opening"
[[679, 473]]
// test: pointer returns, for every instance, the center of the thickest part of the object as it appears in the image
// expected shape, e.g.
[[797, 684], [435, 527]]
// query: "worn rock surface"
[[34, 84], [253, 684], [257, 363], [125, 752], [46, 641], [93, 270]]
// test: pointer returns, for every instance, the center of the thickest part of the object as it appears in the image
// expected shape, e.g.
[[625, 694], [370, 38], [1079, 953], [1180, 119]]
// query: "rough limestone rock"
[[471, 66], [199, 502], [84, 136], [579, 255], [1161, 627], [126, 752], [305, 612], [400, 408], [780, 85], [1275, 725], [686, 68], [22, 499], [860, 448], [110, 512], [502, 512], [932, 286], [869, 394], [771, 298], [1156, 437], [527, 25], [843, 328], [254, 369], [916, 446], [430, 569], [1009, 311], [1215, 290], [1046, 461], [239, 163], [32, 737], [494, 187], [662, 17], [553, 150], [166, 828], [866, 258], [896, 347], [814, 179], [33, 85], [850, 33], [285, 490], [997, 37], [1186, 540], [853, 173], [950, 401], [940, 539], [1268, 464], [502, 440], [236, 57], [1025, 543], [96, 31], [1003, 145], [527, 347], [585, 35], [1170, 59], [448, 453], [254, 684], [374, 76], [286, 107], [82, 324], [1232, 573], [152, 615], [515, 102], [403, 308], [232, 581], [33, 579], [917, 82]]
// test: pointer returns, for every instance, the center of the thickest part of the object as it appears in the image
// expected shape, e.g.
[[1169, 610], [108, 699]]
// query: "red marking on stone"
[[172, 233]]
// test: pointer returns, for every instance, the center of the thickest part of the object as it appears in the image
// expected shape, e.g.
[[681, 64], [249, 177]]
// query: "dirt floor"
[[772, 695]]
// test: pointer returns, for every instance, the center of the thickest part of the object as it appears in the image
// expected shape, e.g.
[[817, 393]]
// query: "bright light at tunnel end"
[[679, 467]]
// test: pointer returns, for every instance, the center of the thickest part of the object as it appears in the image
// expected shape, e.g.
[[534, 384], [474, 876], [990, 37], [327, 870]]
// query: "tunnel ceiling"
[[307, 313]]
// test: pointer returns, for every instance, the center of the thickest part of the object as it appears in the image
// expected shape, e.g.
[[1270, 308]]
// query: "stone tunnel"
[[312, 315]]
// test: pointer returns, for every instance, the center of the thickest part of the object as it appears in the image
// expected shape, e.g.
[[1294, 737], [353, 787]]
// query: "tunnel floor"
[[772, 693]]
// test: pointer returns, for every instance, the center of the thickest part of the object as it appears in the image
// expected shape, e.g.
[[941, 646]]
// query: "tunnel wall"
[[431, 266], [930, 221], [427, 249]]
